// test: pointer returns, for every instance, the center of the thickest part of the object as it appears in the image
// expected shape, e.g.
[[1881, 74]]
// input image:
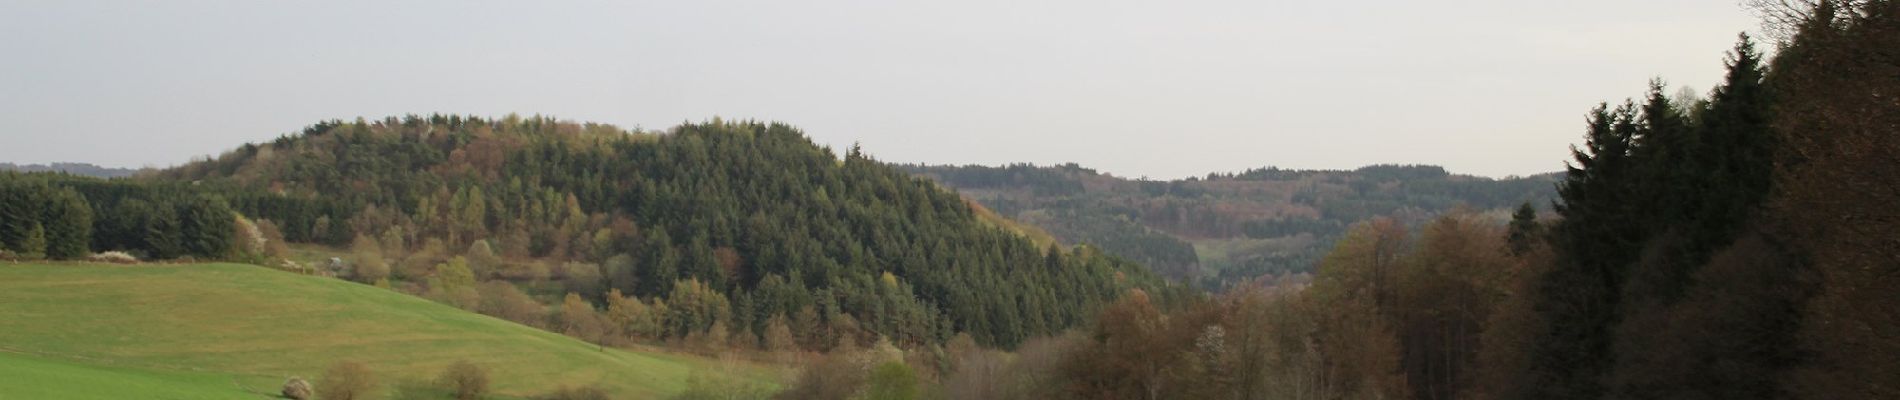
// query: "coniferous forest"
[[1742, 243]]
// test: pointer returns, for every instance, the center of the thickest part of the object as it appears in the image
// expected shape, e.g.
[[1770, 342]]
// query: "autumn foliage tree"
[[1837, 122]]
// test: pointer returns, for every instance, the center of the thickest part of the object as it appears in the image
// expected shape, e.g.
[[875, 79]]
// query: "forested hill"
[[1227, 227], [782, 230]]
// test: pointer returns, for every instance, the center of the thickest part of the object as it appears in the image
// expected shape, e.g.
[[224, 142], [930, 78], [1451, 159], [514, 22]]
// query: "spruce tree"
[[205, 226], [1667, 183], [162, 234], [1663, 149], [1596, 239], [1738, 155]]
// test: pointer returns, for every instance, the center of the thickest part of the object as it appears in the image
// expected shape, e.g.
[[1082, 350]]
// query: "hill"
[[1227, 227], [840, 246], [213, 331]]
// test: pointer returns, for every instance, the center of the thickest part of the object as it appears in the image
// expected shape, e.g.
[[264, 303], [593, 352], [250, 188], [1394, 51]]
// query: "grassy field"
[[26, 377], [212, 331]]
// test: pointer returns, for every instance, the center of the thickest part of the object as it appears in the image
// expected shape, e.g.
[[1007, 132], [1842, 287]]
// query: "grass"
[[212, 329], [29, 377]]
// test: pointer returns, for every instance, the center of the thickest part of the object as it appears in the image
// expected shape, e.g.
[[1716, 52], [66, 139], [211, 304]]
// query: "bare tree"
[[1780, 18]]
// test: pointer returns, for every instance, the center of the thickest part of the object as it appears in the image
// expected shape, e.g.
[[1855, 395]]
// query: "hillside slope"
[[213, 330]]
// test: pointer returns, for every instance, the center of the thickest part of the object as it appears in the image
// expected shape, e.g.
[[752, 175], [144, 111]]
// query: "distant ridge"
[[83, 169], [1229, 227]]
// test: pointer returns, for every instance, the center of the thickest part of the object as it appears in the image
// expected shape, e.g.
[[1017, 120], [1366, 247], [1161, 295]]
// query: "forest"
[[1734, 244], [1728, 246], [1226, 229]]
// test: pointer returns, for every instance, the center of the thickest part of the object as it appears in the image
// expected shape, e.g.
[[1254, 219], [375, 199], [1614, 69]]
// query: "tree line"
[[62, 217]]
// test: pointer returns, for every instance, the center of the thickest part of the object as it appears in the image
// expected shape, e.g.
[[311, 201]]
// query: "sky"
[[1159, 89]]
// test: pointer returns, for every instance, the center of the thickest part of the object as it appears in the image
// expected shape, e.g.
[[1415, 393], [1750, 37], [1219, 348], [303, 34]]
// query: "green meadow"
[[213, 331]]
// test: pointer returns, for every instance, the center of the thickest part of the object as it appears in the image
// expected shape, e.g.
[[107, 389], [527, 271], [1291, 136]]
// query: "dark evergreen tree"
[[1524, 229], [1596, 239], [205, 226], [1738, 150], [68, 225]]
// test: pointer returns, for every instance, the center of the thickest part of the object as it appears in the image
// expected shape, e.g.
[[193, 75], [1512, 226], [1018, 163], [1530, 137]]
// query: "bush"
[[575, 393], [296, 388], [370, 269], [465, 380], [346, 380]]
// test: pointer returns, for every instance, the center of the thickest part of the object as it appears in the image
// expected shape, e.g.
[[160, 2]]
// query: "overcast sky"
[[1164, 89]]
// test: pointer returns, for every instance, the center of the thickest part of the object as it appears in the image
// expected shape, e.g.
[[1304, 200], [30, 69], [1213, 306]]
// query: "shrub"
[[465, 380], [296, 388], [371, 269], [346, 380], [247, 238]]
